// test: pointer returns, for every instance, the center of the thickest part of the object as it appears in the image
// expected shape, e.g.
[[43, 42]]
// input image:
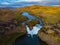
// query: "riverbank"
[[13, 26], [10, 22], [50, 16]]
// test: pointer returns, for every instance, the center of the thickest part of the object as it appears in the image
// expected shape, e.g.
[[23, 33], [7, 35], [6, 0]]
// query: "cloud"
[[34, 0], [11, 0], [5, 3], [42, 0], [8, 2]]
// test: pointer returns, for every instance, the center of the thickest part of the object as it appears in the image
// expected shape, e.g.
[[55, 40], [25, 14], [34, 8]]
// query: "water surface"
[[31, 38]]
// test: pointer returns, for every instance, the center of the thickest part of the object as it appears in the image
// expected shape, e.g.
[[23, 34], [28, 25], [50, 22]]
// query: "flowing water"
[[36, 28], [31, 38]]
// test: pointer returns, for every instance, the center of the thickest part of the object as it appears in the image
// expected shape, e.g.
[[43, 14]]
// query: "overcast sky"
[[28, 0], [42, 1]]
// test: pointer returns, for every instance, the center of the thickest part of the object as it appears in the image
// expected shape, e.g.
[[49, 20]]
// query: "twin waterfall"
[[31, 38], [34, 31], [36, 28]]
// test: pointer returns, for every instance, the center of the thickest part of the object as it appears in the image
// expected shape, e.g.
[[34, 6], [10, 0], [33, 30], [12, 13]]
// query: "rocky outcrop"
[[50, 33], [32, 23]]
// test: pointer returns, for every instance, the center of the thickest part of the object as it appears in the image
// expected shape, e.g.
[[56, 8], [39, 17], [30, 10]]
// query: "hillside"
[[46, 13], [11, 26], [50, 15], [11, 23]]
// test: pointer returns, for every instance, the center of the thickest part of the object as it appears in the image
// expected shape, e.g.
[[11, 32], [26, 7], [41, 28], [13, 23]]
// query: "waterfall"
[[36, 28], [31, 38], [34, 31]]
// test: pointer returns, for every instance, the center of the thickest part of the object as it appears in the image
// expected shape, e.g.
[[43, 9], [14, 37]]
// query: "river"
[[31, 37]]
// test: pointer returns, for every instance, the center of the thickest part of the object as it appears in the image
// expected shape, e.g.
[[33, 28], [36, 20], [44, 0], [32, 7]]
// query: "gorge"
[[31, 38]]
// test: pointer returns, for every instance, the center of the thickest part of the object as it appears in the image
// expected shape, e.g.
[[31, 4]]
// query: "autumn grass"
[[6, 16], [46, 13]]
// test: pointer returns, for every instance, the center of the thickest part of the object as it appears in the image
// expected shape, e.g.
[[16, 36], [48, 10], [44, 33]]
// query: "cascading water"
[[36, 28], [31, 38], [34, 31]]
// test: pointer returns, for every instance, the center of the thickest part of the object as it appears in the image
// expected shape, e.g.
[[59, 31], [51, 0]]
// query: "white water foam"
[[34, 31]]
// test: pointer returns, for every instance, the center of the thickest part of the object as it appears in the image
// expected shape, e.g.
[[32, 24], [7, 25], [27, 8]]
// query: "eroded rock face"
[[50, 33]]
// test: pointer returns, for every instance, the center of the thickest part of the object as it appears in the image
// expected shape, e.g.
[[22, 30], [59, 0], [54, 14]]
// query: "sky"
[[27, 0], [42, 1]]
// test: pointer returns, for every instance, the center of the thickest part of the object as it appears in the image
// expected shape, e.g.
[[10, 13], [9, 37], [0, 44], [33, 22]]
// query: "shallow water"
[[30, 17]]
